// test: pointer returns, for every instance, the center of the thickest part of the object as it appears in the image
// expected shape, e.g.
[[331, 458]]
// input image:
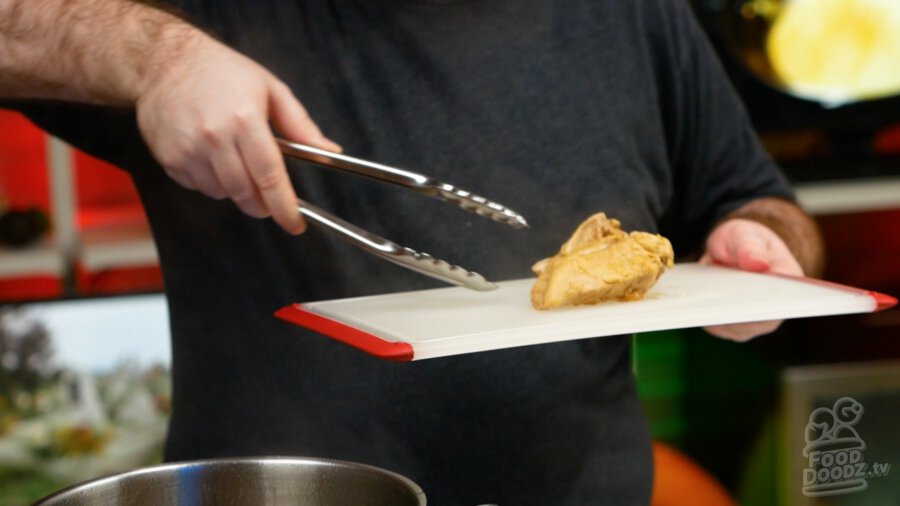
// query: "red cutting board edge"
[[347, 334]]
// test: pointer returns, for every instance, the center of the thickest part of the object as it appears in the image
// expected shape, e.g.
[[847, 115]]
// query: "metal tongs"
[[422, 263]]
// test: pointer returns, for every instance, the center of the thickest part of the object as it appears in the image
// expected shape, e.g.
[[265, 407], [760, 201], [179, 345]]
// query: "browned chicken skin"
[[601, 262]]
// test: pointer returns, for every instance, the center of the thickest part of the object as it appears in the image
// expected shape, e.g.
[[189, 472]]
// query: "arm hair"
[[95, 51]]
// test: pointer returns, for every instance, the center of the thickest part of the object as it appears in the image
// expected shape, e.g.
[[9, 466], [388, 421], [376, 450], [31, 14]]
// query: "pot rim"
[[86, 486]]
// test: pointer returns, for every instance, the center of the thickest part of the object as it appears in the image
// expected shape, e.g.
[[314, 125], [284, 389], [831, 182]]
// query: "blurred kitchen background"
[[84, 381]]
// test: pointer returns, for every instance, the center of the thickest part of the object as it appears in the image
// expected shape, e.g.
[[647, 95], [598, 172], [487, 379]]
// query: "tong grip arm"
[[353, 165], [392, 252]]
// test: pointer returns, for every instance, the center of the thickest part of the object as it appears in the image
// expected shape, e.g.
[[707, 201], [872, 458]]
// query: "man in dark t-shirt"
[[558, 109]]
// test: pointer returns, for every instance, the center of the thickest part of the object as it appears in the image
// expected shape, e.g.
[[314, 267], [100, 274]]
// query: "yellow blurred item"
[[79, 440], [601, 262], [837, 51]]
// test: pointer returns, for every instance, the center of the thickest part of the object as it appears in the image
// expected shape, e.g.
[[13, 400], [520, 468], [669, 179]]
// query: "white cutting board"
[[449, 321]]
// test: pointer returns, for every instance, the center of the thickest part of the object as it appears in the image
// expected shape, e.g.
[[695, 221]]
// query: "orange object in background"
[[679, 481]]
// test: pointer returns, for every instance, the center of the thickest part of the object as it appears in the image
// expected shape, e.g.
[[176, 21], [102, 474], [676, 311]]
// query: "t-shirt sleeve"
[[717, 159], [108, 133]]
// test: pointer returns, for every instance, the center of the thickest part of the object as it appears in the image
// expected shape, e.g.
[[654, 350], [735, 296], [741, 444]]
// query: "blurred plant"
[[60, 425], [159, 382], [7, 416], [26, 354], [73, 441]]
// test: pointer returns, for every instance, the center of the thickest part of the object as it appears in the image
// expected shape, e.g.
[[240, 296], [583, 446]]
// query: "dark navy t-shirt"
[[556, 108]]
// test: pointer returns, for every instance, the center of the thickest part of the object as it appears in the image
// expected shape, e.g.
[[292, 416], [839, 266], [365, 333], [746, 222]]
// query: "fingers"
[[196, 175], [205, 181], [243, 164], [751, 246], [290, 117], [752, 254], [254, 175], [236, 182], [739, 245], [742, 332], [213, 133], [783, 261], [265, 165]]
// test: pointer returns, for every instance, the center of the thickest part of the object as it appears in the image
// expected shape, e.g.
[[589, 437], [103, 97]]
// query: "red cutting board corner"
[[374, 345]]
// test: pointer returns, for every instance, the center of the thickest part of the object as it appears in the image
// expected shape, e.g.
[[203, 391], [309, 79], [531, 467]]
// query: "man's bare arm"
[[203, 109], [97, 51]]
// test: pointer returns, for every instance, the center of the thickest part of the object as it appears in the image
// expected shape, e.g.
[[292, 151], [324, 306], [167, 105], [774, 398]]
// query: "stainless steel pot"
[[246, 481]]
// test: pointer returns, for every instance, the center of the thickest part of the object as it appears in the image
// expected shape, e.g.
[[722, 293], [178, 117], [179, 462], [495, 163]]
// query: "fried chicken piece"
[[601, 262]]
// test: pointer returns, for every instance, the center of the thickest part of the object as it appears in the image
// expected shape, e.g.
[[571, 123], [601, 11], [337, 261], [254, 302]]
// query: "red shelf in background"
[[107, 202], [23, 163], [35, 287], [119, 280], [863, 249]]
